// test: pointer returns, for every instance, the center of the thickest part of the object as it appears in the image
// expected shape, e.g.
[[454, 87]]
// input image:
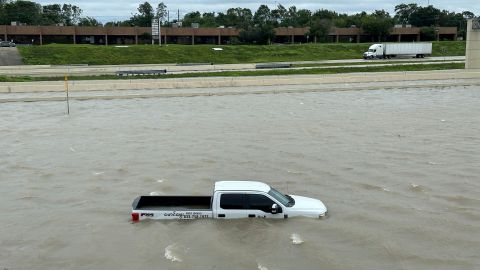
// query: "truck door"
[[260, 206], [380, 51], [231, 205]]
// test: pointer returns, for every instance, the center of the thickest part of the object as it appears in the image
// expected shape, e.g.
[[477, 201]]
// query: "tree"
[[287, 17], [320, 29], [192, 17], [71, 14], [208, 19], [304, 17], [468, 15], [23, 11], [118, 23], [425, 16], [325, 14], [145, 9], [377, 24], [263, 34], [262, 31], [52, 14], [221, 19], [279, 15], [3, 13], [427, 33], [263, 16], [57, 14], [238, 17], [292, 18], [88, 21], [403, 12], [144, 16], [161, 11]]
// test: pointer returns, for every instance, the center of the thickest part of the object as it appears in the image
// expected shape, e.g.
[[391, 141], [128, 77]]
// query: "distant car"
[[7, 44]]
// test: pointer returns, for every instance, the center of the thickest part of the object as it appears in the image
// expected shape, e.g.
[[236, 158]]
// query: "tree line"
[[257, 26], [32, 13]]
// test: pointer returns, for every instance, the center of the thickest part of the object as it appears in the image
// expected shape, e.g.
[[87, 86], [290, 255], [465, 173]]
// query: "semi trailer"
[[390, 50]]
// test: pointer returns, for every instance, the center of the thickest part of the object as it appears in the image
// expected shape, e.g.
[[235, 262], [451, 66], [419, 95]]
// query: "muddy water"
[[398, 169]]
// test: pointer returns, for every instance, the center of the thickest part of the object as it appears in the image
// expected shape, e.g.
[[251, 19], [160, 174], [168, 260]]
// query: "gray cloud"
[[122, 9]]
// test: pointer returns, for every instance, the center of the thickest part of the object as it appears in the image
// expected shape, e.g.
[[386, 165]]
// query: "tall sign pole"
[[155, 30]]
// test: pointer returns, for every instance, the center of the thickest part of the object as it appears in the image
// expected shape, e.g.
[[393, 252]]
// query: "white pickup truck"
[[230, 200]]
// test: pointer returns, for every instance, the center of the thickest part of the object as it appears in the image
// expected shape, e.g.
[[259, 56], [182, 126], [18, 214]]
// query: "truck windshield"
[[283, 199], [371, 50]]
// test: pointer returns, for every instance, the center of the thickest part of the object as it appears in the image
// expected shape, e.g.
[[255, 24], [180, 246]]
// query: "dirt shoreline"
[[215, 82]]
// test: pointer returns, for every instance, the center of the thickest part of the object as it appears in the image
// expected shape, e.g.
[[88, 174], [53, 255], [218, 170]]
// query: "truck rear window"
[[232, 201]]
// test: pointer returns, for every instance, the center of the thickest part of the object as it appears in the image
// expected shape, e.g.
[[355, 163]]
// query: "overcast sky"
[[122, 9]]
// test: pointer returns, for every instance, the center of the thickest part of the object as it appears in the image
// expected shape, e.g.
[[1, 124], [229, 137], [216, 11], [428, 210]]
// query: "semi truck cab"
[[374, 51]]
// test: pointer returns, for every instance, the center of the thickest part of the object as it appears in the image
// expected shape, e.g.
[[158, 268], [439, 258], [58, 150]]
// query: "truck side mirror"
[[274, 208]]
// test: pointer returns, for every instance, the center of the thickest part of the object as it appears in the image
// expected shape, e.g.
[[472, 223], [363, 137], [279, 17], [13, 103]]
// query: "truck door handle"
[[251, 215], [221, 215]]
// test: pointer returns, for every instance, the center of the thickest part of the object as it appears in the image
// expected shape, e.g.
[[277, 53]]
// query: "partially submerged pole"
[[66, 90]]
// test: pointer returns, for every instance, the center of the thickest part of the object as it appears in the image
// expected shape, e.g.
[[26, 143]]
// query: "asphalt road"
[[10, 57], [85, 70]]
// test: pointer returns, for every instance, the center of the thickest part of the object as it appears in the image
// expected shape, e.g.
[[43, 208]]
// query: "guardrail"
[[194, 64], [141, 72], [273, 65]]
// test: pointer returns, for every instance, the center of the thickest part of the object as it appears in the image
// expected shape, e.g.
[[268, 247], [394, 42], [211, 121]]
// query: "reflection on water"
[[398, 170]]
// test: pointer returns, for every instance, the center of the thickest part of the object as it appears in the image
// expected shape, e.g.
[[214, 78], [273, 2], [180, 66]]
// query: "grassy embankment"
[[148, 54], [334, 70]]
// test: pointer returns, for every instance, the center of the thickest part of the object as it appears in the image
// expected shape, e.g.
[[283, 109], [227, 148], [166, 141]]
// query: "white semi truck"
[[389, 50], [230, 200]]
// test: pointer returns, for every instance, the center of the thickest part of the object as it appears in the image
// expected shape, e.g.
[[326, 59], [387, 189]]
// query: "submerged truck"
[[230, 200], [390, 50]]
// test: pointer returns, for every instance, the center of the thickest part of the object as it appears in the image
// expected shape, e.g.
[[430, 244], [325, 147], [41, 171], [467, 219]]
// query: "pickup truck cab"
[[230, 200]]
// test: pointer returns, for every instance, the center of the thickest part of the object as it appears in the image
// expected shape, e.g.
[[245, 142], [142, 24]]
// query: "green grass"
[[335, 70], [4, 78], [148, 54], [449, 48]]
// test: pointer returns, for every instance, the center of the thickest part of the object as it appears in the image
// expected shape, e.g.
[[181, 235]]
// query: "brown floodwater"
[[399, 171]]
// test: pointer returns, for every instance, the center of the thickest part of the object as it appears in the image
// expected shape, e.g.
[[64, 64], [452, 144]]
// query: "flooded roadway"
[[398, 169]]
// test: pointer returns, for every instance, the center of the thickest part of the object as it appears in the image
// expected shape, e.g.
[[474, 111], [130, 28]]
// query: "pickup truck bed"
[[180, 203]]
